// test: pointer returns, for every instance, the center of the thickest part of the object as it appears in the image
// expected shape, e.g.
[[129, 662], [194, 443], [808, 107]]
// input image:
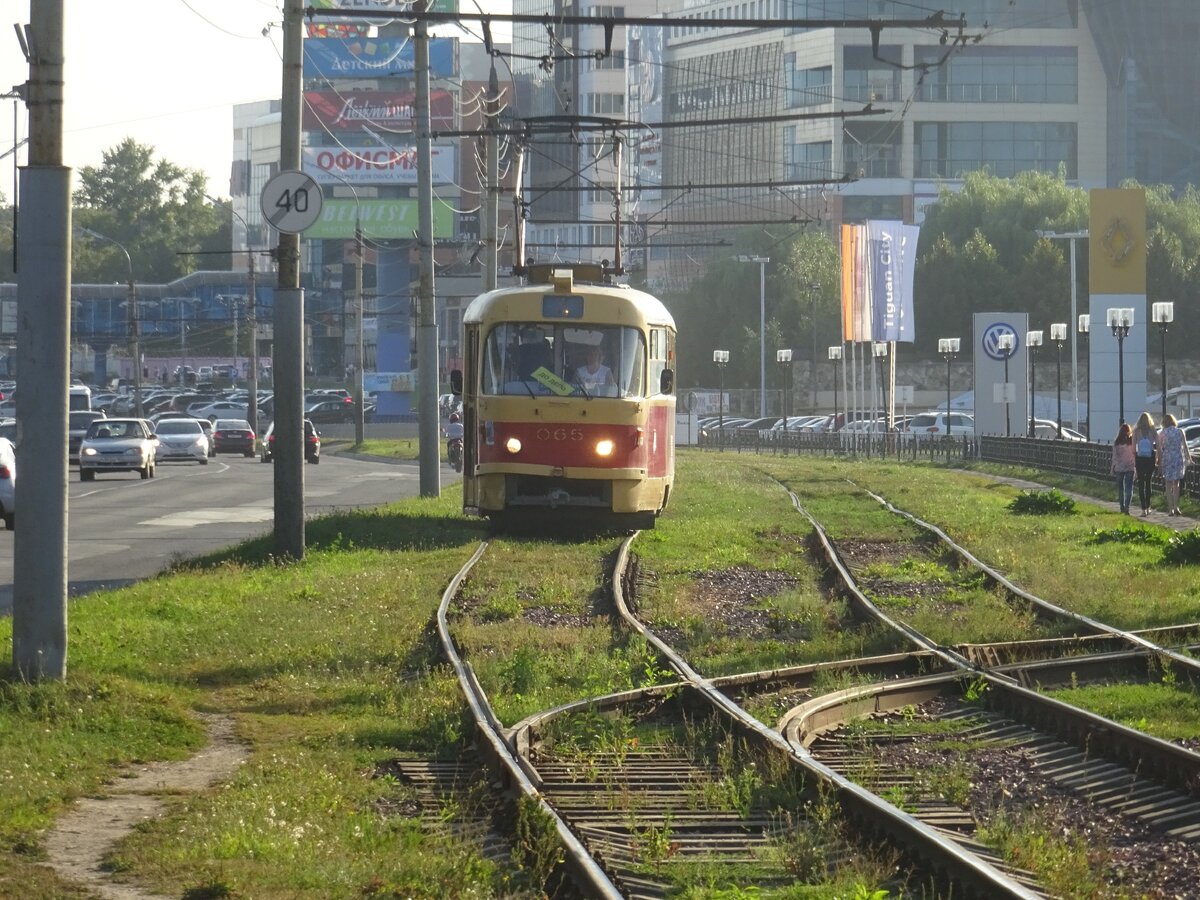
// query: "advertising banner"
[[380, 219], [893, 251], [995, 368], [389, 112], [1117, 229], [376, 165], [644, 53], [447, 6], [357, 57]]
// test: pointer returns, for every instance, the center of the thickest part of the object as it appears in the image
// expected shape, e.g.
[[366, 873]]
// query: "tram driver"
[[594, 375]]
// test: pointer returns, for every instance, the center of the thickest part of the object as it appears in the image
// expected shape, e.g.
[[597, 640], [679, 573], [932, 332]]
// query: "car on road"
[[78, 421], [217, 409], [182, 439], [8, 430], [233, 436], [8, 483], [207, 427], [118, 445], [312, 443]]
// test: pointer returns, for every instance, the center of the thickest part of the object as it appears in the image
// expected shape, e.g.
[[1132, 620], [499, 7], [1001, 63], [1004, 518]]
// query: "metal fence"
[[1087, 460]]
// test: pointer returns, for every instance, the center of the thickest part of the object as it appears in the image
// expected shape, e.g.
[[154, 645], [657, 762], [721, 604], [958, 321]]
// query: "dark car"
[[233, 436], [330, 412], [77, 426], [312, 443]]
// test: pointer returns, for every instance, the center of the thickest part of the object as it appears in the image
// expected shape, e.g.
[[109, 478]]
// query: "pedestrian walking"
[[1145, 443], [1173, 460], [1124, 463]]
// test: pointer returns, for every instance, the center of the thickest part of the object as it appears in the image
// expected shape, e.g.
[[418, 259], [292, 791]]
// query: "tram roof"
[[563, 282]]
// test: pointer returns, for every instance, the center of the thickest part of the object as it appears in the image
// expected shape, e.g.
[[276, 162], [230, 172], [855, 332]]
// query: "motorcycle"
[[454, 449]]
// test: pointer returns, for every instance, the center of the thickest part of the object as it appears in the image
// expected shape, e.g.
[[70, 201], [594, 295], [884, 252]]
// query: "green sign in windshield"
[[551, 382]]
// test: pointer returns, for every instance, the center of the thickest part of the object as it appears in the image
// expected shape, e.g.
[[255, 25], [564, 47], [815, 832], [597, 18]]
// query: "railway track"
[[634, 814]]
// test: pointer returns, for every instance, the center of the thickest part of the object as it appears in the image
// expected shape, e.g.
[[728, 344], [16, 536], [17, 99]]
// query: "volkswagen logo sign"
[[991, 340]]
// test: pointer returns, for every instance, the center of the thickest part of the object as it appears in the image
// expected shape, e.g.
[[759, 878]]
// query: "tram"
[[568, 390]]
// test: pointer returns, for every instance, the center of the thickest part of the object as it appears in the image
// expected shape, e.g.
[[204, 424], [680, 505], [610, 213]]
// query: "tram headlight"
[[513, 445], [605, 447]]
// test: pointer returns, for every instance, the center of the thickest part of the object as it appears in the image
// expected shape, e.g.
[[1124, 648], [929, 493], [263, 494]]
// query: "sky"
[[166, 73]]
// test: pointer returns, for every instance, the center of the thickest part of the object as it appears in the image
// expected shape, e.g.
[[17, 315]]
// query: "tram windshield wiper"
[[525, 381]]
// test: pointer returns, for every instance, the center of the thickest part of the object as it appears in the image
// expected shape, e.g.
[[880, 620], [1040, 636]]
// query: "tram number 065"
[[560, 434]]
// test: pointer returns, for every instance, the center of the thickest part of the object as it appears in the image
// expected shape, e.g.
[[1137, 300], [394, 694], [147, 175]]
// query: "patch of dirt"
[[82, 837], [859, 555], [549, 617], [730, 599], [1126, 852]]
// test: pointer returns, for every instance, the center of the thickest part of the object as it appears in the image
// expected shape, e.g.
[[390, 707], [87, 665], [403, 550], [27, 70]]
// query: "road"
[[122, 529]]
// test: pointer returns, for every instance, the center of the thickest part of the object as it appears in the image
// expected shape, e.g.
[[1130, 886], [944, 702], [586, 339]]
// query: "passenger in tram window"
[[1145, 445], [1123, 465], [1173, 460]]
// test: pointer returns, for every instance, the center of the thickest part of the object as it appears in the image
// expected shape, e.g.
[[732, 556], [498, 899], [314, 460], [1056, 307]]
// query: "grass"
[[392, 448], [330, 672]]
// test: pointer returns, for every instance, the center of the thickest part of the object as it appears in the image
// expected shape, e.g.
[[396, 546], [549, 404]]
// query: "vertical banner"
[[393, 352], [892, 247], [856, 301]]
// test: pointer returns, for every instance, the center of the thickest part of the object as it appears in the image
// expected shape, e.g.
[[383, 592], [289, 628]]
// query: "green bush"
[[1129, 533], [1183, 549], [1042, 503]]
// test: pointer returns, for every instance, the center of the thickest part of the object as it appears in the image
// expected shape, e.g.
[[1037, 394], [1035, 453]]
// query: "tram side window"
[[658, 357]]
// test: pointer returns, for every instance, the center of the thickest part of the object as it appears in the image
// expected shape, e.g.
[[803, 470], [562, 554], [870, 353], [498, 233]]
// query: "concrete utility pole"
[[428, 435], [43, 246], [360, 427], [252, 322], [288, 361], [491, 205]]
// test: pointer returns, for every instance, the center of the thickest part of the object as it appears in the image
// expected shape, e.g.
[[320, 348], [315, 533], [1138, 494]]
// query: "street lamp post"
[[1163, 315], [879, 349], [762, 328], [251, 322], [835, 356], [1120, 320], [784, 358], [1058, 334], [132, 315], [948, 348], [1006, 343], [1084, 330], [1033, 340], [814, 289], [721, 358], [1072, 236]]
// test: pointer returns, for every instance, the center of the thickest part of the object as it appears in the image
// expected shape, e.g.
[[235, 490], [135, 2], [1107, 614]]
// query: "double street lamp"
[[1163, 314], [1120, 320], [835, 356], [1084, 330], [1033, 340], [1058, 334], [1006, 344], [784, 358], [948, 348], [131, 305], [721, 359]]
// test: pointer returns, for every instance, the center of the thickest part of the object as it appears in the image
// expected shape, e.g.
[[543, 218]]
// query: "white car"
[[8, 483], [182, 439], [217, 409], [1048, 430], [937, 424], [118, 445]]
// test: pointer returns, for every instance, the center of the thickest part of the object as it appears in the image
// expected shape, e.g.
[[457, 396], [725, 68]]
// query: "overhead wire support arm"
[[937, 20]]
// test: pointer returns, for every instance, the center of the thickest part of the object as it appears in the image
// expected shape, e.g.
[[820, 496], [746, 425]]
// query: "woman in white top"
[[594, 375]]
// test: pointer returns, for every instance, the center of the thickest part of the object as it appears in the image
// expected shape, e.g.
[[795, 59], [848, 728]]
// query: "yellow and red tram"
[[568, 401]]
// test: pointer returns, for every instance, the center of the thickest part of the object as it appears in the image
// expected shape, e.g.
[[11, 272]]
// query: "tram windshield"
[[539, 358]]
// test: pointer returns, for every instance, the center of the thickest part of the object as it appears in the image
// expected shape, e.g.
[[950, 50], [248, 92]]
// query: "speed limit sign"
[[291, 202]]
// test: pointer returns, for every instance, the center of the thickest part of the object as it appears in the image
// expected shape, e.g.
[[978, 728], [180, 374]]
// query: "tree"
[[155, 209]]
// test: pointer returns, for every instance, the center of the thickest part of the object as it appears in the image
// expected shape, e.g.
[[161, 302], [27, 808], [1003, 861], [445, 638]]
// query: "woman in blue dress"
[[1173, 460]]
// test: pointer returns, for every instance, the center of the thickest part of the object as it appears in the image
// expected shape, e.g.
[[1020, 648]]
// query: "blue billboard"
[[360, 57]]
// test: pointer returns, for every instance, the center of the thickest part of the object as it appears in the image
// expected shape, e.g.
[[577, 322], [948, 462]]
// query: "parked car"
[[182, 439], [233, 436], [938, 424], [1048, 430], [330, 412], [78, 421], [8, 430], [217, 409], [312, 443], [8, 483], [118, 445], [1191, 434]]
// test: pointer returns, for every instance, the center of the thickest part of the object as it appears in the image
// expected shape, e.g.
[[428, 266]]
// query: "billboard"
[[878, 261], [376, 165], [357, 57], [999, 410], [382, 111], [380, 219], [446, 6]]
